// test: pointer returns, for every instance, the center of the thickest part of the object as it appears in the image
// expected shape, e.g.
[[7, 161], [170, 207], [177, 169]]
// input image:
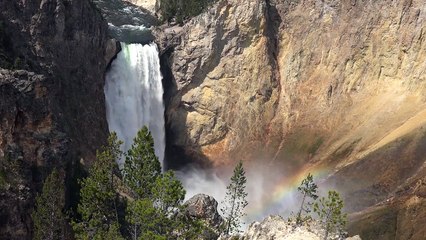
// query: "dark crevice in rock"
[[175, 156]]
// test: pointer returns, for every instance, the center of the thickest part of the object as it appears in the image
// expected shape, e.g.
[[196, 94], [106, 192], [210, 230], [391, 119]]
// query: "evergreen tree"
[[98, 206], [330, 213], [189, 228], [142, 167], [168, 193], [182, 9], [48, 217], [155, 218], [308, 189], [143, 219], [156, 196], [235, 200]]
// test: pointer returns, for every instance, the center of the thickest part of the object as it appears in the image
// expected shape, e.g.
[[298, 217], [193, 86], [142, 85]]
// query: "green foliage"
[[11, 171], [3, 182], [142, 167], [157, 196], [48, 217], [152, 199], [155, 217], [308, 189], [329, 211], [113, 233], [4, 170], [182, 9], [97, 206], [142, 217], [18, 63], [188, 228], [168, 193], [235, 200]]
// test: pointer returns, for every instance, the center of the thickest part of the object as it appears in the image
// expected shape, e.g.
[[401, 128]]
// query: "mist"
[[262, 182]]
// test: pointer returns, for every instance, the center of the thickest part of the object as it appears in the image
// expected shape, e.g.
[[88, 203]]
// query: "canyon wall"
[[52, 110], [336, 85]]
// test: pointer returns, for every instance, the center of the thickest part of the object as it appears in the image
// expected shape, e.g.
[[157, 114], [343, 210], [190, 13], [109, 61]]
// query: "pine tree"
[[142, 167], [154, 218], [48, 217], [141, 170], [168, 196], [235, 200], [330, 213], [155, 195], [308, 189], [168, 193], [98, 206], [142, 217]]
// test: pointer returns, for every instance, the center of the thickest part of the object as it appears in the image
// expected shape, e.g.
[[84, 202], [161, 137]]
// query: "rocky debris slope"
[[52, 107], [275, 227], [338, 85]]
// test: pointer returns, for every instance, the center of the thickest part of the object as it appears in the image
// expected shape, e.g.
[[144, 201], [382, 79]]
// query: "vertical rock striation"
[[52, 107], [336, 84], [224, 90]]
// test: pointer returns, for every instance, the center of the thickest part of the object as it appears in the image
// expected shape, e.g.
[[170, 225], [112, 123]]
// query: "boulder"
[[203, 207]]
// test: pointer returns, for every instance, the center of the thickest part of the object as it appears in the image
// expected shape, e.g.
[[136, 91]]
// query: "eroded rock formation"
[[52, 108], [202, 207], [336, 84], [275, 227]]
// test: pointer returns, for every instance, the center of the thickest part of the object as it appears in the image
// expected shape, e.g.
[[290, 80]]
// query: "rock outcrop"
[[52, 107], [275, 227], [338, 85], [204, 207]]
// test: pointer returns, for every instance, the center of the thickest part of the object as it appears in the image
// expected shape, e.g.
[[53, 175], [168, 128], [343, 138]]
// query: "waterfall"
[[134, 95]]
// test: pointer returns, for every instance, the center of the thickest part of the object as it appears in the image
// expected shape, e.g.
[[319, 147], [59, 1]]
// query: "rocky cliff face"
[[336, 84], [52, 110], [224, 90]]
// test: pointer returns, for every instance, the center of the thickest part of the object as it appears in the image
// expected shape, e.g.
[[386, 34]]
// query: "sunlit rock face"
[[150, 5], [224, 86], [277, 228], [336, 84]]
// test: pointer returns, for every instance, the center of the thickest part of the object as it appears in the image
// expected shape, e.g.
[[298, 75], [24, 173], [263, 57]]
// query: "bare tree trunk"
[[231, 215], [298, 219]]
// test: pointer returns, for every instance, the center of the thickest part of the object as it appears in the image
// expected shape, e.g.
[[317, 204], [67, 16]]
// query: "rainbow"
[[282, 192]]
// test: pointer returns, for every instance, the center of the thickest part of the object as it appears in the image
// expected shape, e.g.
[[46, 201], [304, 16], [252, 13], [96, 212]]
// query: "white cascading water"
[[134, 95]]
